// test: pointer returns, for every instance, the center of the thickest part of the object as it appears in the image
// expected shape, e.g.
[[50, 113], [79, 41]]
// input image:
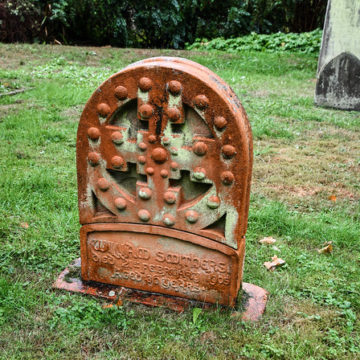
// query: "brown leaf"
[[271, 265], [267, 240], [332, 198], [327, 249], [24, 225]]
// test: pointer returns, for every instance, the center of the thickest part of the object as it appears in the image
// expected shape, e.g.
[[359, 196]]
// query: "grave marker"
[[164, 159]]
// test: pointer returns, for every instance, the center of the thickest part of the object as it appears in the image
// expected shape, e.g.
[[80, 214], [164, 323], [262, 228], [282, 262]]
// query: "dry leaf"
[[271, 265], [332, 198], [327, 249], [267, 240], [107, 306], [24, 225]]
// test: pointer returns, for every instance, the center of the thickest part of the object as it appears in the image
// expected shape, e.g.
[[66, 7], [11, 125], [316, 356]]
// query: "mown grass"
[[303, 154]]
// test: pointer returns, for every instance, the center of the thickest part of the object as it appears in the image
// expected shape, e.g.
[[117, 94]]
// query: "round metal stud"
[[145, 84], [192, 216], [166, 141], [170, 197], [164, 173], [201, 102], [159, 155], [117, 138], [220, 122], [145, 193], [200, 148], [152, 139], [213, 202], [117, 162], [146, 111], [199, 174], [121, 92], [93, 133], [144, 215], [94, 158], [174, 114], [168, 220], [174, 87], [174, 165], [103, 109], [142, 146], [103, 184], [227, 177], [150, 171], [142, 159], [120, 203], [228, 151]]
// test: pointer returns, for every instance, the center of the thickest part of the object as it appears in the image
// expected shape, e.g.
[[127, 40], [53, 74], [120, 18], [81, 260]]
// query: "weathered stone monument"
[[338, 78], [164, 160]]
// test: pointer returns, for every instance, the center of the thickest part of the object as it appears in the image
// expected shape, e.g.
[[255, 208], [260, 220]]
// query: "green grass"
[[303, 154]]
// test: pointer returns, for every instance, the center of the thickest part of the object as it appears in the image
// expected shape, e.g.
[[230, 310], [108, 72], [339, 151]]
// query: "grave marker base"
[[254, 297]]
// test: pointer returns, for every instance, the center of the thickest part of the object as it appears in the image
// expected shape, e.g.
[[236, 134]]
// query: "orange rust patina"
[[164, 159]]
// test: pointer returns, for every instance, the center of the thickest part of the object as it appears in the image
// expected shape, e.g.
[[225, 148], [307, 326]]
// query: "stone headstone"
[[164, 159], [338, 78]]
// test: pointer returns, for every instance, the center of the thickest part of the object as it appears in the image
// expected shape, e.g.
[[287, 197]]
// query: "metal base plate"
[[252, 302]]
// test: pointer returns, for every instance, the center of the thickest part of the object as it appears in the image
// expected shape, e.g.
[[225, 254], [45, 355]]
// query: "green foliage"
[[153, 23], [305, 42]]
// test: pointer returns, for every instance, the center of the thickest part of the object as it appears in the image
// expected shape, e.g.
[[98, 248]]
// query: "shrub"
[[305, 42]]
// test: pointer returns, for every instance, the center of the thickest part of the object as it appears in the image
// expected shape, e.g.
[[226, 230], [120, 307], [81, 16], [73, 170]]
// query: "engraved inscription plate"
[[159, 262]]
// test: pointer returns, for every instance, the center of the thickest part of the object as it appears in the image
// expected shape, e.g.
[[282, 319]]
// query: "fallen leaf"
[[24, 225], [327, 249], [271, 265], [107, 306], [267, 240], [332, 198], [275, 248]]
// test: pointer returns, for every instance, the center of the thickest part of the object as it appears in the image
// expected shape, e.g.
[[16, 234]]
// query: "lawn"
[[305, 193]]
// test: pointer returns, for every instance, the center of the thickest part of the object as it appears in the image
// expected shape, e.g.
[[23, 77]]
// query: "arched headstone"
[[338, 78], [164, 159]]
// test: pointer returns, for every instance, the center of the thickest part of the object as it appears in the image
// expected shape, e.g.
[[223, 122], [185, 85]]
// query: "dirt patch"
[[73, 113]]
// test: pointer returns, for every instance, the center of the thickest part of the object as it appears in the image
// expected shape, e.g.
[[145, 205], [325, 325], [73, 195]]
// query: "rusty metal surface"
[[69, 279], [164, 158]]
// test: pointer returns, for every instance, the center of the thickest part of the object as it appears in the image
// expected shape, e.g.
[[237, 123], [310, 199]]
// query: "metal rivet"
[[191, 216], [213, 202], [93, 133], [170, 197], [121, 92], [166, 141], [120, 203], [168, 220], [103, 109], [199, 174], [174, 165], [201, 102], [227, 177], [94, 158], [142, 146], [228, 151], [145, 84], [144, 215], [142, 159], [103, 184], [117, 162], [164, 173], [174, 87], [146, 111], [200, 148], [174, 150], [117, 137], [152, 139], [159, 155], [150, 171], [145, 193], [220, 122], [174, 114]]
